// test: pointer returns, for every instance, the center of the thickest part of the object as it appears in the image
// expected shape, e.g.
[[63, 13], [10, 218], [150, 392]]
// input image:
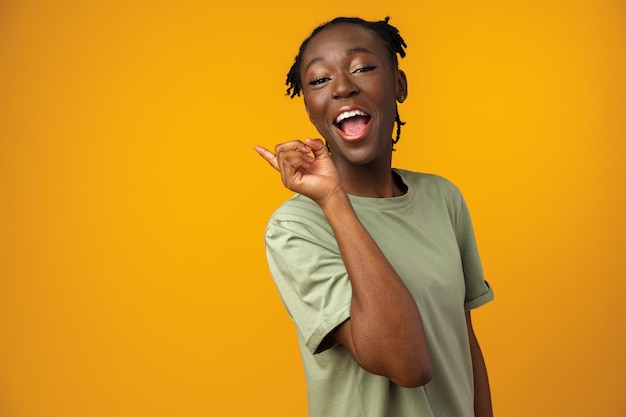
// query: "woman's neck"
[[365, 181]]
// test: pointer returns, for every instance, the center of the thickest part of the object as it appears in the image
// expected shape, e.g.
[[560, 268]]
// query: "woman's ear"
[[402, 87]]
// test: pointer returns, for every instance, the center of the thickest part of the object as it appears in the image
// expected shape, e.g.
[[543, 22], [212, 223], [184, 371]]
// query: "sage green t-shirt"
[[427, 236]]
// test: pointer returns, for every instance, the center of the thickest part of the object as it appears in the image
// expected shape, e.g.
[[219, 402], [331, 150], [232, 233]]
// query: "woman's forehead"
[[343, 36]]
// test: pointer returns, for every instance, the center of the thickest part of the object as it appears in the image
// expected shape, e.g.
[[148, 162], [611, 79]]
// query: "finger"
[[287, 172], [318, 148], [294, 145], [268, 156], [294, 160], [296, 151]]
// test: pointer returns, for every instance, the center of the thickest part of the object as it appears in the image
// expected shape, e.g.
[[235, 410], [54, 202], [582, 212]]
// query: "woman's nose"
[[343, 87]]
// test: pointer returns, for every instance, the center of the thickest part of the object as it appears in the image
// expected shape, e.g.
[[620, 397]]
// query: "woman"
[[378, 267]]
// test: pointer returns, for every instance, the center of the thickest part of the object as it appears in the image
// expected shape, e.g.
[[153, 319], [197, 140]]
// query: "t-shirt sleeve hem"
[[480, 300], [327, 326]]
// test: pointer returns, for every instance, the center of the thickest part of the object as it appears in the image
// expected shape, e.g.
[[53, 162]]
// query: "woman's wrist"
[[335, 202]]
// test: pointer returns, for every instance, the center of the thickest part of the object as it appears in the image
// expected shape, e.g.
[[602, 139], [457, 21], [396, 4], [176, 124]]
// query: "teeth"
[[348, 114]]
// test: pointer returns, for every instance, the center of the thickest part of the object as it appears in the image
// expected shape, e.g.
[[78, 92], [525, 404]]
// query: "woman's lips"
[[352, 124]]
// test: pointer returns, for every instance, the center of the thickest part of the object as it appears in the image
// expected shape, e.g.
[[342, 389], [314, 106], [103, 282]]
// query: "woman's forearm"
[[385, 333], [482, 392]]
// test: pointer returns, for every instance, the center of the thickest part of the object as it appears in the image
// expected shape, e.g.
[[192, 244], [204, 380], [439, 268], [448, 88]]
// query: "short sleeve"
[[312, 280], [477, 290]]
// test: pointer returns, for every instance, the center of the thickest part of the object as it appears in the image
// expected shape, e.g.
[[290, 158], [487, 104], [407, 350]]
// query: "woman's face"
[[350, 89]]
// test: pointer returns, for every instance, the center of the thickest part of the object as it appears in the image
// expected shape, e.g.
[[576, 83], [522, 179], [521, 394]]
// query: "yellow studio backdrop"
[[133, 279]]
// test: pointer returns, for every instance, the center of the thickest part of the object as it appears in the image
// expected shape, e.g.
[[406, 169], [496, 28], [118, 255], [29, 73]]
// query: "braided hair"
[[388, 34]]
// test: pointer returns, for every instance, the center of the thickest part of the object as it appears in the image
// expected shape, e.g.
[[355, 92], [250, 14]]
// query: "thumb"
[[318, 147]]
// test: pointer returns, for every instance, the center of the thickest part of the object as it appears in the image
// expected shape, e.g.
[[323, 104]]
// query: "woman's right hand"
[[305, 167]]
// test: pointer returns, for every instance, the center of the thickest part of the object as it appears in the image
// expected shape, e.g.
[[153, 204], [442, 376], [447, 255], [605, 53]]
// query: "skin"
[[482, 391], [347, 67]]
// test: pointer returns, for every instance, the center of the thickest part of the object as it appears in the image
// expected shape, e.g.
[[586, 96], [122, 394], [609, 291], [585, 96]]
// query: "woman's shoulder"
[[299, 209], [299, 216]]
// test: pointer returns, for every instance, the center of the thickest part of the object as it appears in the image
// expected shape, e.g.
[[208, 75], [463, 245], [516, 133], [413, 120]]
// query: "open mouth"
[[353, 123]]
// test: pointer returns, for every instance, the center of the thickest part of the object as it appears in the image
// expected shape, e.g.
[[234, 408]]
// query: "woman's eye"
[[365, 68], [318, 81]]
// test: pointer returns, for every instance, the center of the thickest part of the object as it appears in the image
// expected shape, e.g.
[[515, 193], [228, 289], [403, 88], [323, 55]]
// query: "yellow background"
[[132, 273]]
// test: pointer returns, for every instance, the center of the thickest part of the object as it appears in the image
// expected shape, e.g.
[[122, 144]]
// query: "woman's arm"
[[384, 334], [482, 392]]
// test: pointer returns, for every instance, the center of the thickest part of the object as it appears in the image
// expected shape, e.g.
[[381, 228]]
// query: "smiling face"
[[350, 87]]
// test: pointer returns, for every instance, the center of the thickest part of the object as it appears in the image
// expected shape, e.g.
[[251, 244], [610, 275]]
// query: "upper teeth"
[[348, 114]]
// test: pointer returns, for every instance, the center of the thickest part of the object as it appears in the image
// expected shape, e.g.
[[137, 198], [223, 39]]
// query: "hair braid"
[[399, 124]]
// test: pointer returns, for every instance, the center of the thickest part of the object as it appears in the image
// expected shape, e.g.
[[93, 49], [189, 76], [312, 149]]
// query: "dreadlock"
[[399, 124], [388, 34]]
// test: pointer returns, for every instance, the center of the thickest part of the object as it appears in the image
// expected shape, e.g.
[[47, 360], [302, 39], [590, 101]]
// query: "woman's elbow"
[[414, 370], [413, 378]]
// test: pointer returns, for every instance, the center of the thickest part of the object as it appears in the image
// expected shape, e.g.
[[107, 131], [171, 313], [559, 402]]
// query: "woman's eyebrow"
[[314, 61]]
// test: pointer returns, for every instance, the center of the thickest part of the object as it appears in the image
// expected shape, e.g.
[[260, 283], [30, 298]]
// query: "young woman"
[[377, 267]]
